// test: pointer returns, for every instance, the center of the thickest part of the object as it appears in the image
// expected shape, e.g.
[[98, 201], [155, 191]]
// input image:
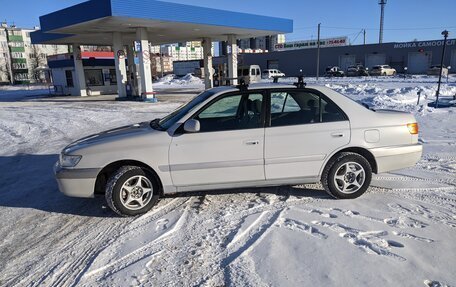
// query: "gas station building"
[[132, 25]]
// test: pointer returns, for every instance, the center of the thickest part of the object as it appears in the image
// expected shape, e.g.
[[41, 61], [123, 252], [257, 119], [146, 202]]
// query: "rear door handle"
[[254, 142], [337, 135]]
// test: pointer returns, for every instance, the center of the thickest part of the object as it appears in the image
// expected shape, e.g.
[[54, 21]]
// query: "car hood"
[[109, 136]]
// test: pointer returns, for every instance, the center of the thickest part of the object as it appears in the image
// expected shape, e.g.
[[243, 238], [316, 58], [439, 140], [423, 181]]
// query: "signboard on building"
[[423, 44], [329, 42]]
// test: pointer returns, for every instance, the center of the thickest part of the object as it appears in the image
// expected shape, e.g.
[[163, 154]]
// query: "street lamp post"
[[445, 36]]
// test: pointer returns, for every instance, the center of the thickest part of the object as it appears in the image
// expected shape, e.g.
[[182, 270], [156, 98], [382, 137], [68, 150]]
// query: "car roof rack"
[[242, 84], [300, 84]]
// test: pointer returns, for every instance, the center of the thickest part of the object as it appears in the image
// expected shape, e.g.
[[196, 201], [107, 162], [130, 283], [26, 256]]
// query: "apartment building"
[[20, 61]]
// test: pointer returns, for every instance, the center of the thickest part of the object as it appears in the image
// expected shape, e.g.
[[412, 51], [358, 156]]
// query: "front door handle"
[[254, 142], [337, 135]]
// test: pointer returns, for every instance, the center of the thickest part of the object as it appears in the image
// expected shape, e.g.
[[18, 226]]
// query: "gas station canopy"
[[93, 22]]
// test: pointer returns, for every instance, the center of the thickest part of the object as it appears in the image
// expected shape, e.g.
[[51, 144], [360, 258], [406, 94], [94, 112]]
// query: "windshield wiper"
[[155, 124]]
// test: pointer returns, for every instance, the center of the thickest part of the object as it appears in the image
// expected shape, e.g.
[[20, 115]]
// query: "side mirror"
[[192, 126]]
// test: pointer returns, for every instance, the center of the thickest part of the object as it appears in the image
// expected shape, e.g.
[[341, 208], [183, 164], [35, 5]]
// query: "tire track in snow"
[[367, 241]]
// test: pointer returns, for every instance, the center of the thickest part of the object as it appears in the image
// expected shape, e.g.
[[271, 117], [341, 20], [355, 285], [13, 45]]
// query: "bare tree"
[[36, 62], [5, 69]]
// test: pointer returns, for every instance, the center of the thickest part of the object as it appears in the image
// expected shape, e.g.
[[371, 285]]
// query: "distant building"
[[255, 45], [300, 56], [20, 61], [181, 51], [161, 64]]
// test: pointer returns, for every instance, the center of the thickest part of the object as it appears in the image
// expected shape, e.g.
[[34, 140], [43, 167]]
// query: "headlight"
[[69, 160]]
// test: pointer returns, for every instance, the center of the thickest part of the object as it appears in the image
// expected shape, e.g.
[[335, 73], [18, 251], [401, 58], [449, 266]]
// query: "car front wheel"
[[131, 191], [347, 176]]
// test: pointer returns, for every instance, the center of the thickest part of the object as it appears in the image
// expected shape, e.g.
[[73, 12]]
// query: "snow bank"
[[188, 81], [13, 93]]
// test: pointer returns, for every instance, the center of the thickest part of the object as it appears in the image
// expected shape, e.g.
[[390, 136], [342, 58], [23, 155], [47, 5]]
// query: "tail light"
[[413, 128]]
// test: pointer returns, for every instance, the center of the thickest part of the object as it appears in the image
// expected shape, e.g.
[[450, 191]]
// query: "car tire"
[[347, 176], [384, 74], [394, 73], [131, 191]]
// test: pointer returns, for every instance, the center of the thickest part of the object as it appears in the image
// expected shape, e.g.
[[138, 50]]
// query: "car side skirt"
[[262, 183]]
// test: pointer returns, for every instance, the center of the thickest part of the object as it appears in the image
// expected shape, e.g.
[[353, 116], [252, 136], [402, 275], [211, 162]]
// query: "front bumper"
[[396, 157], [76, 182]]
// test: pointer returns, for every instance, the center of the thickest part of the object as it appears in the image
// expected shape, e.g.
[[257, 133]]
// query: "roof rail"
[[300, 84], [242, 84]]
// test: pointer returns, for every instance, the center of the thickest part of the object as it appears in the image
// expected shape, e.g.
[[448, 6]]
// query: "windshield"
[[175, 116]]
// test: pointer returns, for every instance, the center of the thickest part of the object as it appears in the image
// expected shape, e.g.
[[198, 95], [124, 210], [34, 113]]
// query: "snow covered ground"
[[401, 233]]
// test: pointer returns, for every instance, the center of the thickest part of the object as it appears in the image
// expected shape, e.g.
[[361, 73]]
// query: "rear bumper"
[[396, 157], [76, 182]]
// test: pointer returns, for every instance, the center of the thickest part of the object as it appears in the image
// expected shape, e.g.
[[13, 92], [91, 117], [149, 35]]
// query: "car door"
[[229, 148], [305, 127]]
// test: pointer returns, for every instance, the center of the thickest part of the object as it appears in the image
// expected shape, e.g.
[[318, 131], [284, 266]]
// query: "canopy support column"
[[208, 70], [232, 58], [144, 64], [132, 76], [79, 83], [121, 70]]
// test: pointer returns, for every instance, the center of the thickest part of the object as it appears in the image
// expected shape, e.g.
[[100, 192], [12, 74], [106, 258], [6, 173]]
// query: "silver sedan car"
[[242, 136]]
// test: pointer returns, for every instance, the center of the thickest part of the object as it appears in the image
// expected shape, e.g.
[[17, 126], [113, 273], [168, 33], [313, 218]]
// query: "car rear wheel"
[[131, 191], [347, 176]]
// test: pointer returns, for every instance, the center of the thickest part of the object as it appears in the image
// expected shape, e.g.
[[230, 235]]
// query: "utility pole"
[[364, 36], [318, 51], [445, 36], [382, 18]]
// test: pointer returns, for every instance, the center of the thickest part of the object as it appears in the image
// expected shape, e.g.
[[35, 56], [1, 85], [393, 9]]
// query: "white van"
[[251, 74], [270, 73]]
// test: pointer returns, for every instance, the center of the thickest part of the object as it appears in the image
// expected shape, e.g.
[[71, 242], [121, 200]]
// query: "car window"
[[234, 112], [225, 107], [258, 72], [168, 121], [302, 107], [294, 108], [330, 112]]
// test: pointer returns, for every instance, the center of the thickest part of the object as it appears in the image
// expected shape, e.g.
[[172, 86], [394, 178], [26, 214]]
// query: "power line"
[[391, 29]]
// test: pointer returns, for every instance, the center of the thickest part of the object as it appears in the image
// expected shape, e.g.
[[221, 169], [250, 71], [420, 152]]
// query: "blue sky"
[[405, 20]]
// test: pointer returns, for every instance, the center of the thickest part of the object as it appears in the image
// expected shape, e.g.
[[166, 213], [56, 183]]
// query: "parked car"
[[382, 70], [357, 70], [435, 70], [244, 136], [250, 74], [334, 71], [270, 73]]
